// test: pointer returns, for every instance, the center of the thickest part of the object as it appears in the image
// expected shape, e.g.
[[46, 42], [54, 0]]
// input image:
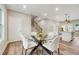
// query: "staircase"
[[35, 25]]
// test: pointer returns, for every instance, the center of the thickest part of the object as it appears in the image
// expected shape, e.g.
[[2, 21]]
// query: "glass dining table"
[[40, 44]]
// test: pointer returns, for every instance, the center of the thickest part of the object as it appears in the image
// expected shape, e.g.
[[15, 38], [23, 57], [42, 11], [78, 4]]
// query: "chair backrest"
[[50, 35], [24, 40], [52, 44], [27, 40], [55, 43]]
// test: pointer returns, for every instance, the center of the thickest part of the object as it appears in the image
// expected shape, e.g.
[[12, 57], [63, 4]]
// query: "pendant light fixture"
[[67, 17]]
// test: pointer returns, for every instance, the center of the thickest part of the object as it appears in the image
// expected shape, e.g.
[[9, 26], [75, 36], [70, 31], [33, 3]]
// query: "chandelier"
[[67, 18]]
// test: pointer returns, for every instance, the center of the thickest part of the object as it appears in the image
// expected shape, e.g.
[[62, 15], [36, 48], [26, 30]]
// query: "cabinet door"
[[67, 36]]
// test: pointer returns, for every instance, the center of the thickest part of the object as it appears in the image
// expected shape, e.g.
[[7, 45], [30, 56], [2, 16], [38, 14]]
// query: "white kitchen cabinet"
[[67, 36]]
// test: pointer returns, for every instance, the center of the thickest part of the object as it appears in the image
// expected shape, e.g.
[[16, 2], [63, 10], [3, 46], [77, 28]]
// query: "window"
[[1, 25]]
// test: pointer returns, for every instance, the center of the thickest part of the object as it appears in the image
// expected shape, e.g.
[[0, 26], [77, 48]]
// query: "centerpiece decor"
[[41, 36]]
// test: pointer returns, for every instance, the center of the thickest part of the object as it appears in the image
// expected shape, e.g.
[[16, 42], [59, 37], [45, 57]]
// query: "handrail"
[[36, 25]]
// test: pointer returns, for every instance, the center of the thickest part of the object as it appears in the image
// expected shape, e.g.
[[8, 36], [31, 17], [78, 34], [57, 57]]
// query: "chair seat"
[[52, 44], [31, 44], [49, 46]]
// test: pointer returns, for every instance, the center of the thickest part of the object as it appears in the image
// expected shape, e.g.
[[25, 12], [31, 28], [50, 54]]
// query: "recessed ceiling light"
[[56, 9], [45, 14], [24, 6]]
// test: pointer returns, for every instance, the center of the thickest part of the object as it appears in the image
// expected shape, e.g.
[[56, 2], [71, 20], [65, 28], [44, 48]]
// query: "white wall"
[[18, 22], [3, 43]]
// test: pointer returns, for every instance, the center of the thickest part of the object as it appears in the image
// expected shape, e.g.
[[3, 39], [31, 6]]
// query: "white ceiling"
[[40, 9]]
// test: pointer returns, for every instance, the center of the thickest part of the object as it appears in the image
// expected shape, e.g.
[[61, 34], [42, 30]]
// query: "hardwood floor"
[[16, 48], [68, 48]]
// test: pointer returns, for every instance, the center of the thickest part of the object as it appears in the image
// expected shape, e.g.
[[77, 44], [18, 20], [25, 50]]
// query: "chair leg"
[[26, 52], [52, 53], [58, 51], [22, 51]]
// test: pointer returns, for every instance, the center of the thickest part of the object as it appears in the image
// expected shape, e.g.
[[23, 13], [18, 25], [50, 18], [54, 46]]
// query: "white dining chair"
[[53, 44], [27, 41]]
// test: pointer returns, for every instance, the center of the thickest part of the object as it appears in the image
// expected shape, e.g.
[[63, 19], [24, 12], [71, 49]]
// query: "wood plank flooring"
[[67, 48], [16, 48]]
